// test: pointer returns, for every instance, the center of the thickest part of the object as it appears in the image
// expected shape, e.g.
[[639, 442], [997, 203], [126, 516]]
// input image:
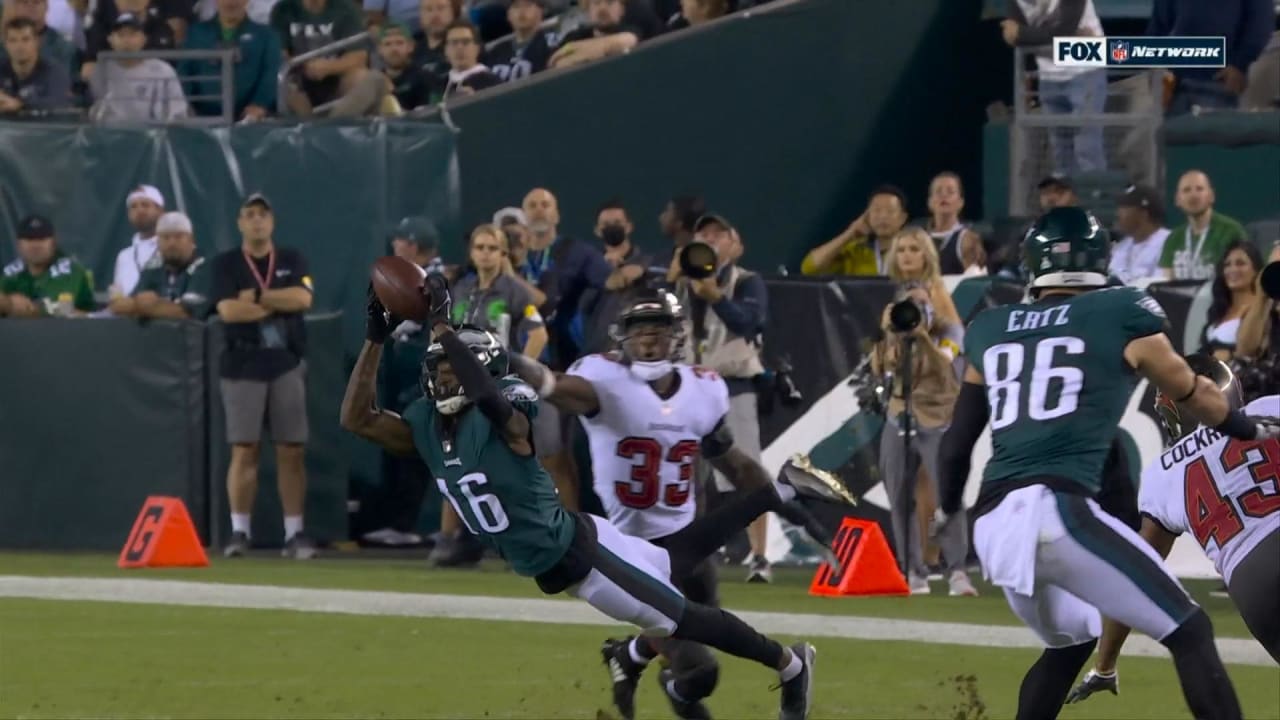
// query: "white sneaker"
[[761, 571], [919, 585], [960, 585]]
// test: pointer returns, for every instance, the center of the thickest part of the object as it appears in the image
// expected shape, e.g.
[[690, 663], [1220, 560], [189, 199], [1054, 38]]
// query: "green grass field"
[[74, 659]]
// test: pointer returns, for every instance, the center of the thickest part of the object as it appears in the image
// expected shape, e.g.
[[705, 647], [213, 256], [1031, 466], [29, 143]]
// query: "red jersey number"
[[643, 488], [1263, 460]]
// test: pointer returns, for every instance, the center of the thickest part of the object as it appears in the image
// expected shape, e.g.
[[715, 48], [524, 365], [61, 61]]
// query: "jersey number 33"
[[644, 486]]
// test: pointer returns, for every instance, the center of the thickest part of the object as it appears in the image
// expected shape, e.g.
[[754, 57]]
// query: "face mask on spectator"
[[613, 234]]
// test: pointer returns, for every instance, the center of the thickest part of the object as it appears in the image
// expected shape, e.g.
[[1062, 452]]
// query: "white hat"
[[510, 212], [173, 222], [145, 192]]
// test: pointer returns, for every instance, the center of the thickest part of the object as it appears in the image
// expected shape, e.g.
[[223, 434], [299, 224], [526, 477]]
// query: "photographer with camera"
[[917, 353], [725, 319]]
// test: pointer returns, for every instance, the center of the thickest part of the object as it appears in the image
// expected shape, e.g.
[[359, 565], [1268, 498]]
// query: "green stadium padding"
[[96, 415]]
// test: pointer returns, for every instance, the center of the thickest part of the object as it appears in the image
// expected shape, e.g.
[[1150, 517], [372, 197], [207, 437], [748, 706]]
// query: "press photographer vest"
[[733, 356]]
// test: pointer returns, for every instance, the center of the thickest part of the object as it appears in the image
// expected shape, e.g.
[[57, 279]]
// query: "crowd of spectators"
[[418, 54]]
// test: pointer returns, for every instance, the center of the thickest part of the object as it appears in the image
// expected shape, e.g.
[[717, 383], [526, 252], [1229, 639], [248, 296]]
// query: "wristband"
[[1238, 425]]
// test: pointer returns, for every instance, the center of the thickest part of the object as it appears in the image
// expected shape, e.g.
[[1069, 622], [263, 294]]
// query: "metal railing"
[[1130, 122], [282, 80], [226, 84]]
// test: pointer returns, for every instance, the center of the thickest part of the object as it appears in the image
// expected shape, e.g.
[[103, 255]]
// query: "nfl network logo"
[[1140, 52]]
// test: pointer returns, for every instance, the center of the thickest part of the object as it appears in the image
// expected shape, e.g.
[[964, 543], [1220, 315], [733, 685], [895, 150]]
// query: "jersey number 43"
[[644, 486], [1212, 516]]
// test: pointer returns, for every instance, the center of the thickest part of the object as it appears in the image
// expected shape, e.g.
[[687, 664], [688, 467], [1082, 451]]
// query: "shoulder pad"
[[13, 268], [518, 391]]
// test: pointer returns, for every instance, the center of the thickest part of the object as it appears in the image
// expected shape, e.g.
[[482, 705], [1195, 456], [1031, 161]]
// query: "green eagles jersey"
[[1057, 381], [66, 281], [188, 287], [506, 499]]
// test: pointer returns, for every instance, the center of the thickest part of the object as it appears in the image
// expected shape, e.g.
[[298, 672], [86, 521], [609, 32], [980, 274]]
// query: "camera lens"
[[905, 316], [698, 260]]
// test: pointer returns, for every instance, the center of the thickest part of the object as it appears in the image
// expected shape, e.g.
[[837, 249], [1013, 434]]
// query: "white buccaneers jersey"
[[644, 447], [1225, 492]]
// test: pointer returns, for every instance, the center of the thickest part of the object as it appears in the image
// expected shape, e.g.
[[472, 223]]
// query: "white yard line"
[[567, 612]]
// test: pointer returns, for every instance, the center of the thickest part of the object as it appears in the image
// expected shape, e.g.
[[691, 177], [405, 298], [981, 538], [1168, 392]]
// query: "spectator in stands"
[[606, 36], [261, 292], [53, 47], [516, 227], [1246, 24], [564, 268], [43, 281], [1140, 217], [155, 31], [174, 13], [380, 13], [27, 80], [914, 258], [696, 12], [676, 222], [1234, 294], [467, 74], [342, 78], [1259, 336], [175, 283], [527, 51], [1056, 191], [935, 386], [1194, 247], [960, 249], [724, 321], [1063, 90], [257, 62], [144, 205], [863, 247], [405, 80], [600, 308], [435, 16], [416, 239], [136, 90], [259, 11]]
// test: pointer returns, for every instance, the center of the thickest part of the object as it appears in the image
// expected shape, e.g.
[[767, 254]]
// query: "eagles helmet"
[[1178, 426], [650, 360], [487, 349], [1066, 247]]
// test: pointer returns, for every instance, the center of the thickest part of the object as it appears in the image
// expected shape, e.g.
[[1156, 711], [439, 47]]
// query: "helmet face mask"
[[650, 333], [439, 383]]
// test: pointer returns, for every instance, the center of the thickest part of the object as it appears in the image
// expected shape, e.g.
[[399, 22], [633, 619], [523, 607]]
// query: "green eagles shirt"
[[1057, 381], [66, 281], [507, 500], [189, 287], [1194, 257]]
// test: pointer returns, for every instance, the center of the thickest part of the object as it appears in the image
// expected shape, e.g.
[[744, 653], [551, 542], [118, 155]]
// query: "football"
[[398, 284]]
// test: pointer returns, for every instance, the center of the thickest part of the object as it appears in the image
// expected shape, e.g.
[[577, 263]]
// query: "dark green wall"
[[785, 117]]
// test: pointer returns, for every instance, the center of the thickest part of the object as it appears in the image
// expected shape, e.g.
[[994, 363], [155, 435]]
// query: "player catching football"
[[472, 428], [1226, 493], [1053, 378], [648, 420]]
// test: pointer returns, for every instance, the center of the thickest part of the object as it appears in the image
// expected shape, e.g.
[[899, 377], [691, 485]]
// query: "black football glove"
[[377, 327], [435, 290]]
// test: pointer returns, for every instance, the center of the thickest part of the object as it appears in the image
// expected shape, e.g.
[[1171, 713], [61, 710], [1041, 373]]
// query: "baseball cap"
[[145, 192], [709, 219], [418, 230], [127, 20], [1143, 196], [395, 27], [256, 199], [1056, 181], [174, 222], [34, 227], [510, 216]]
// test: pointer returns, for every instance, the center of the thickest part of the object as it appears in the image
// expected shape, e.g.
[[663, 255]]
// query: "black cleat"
[[237, 546], [463, 551], [300, 547], [812, 482], [683, 709], [797, 693], [624, 674]]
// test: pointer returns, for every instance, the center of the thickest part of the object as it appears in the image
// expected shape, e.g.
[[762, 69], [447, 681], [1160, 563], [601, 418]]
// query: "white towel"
[[1007, 538]]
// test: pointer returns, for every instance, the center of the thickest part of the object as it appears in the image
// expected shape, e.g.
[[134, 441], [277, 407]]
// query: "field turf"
[[73, 659]]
